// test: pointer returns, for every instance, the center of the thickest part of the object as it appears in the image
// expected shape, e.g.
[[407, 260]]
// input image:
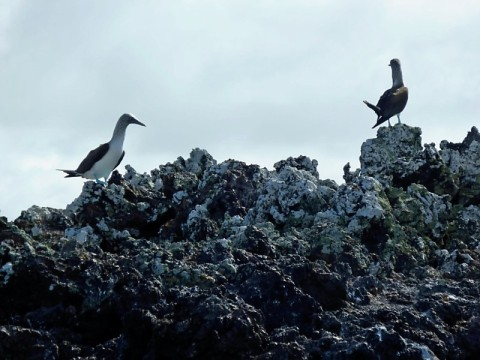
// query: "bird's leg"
[[389, 125], [398, 116]]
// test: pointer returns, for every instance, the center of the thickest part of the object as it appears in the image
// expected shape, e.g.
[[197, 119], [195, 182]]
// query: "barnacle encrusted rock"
[[199, 259], [396, 157]]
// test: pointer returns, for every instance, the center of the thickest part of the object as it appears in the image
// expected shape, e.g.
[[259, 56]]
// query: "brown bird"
[[393, 101]]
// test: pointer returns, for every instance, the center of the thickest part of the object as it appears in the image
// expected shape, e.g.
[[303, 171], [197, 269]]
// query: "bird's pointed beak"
[[139, 123]]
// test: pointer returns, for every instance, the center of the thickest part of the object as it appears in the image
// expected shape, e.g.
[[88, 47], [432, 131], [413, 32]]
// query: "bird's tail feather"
[[373, 107], [378, 123], [70, 173]]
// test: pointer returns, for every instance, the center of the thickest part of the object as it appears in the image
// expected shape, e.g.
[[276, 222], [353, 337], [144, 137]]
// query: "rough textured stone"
[[199, 259]]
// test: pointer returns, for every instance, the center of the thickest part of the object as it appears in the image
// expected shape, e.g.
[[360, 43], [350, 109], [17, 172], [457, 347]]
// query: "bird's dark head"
[[128, 119], [394, 63]]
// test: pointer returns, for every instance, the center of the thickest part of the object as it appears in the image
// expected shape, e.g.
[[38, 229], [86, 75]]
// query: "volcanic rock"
[[207, 260]]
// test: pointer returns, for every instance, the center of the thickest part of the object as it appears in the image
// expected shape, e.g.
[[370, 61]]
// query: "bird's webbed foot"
[[98, 181]]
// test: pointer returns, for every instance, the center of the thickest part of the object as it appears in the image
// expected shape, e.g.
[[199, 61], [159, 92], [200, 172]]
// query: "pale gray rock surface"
[[199, 259]]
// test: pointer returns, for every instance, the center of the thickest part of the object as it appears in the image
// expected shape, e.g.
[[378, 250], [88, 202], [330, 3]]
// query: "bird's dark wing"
[[120, 160], [401, 98], [385, 98], [92, 157], [393, 101]]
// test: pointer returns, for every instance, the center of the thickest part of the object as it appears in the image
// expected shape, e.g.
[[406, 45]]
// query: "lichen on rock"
[[200, 259]]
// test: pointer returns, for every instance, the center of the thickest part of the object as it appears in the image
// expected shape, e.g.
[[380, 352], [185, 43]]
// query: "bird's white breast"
[[106, 164]]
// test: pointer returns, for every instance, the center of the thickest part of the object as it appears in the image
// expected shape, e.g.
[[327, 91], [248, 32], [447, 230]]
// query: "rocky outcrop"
[[205, 260]]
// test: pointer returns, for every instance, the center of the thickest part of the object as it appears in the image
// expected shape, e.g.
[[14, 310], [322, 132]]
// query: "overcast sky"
[[253, 80]]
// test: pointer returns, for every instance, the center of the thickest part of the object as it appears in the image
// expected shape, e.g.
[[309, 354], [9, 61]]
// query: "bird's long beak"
[[138, 123]]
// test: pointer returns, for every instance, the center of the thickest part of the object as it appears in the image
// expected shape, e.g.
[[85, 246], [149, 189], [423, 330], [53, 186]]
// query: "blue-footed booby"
[[101, 161], [393, 101]]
